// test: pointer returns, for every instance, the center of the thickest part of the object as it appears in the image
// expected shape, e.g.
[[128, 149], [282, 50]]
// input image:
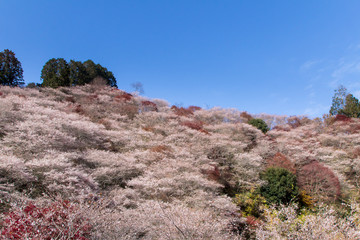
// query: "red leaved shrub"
[[342, 118], [252, 222], [148, 106], [196, 125], [181, 111], [279, 160], [59, 220], [319, 181], [123, 97], [246, 116], [194, 108]]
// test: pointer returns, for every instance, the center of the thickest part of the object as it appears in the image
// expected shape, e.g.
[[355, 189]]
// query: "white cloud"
[[309, 64], [316, 111]]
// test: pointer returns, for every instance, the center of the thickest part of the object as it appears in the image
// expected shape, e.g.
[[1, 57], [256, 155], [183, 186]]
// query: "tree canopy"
[[57, 72], [345, 103], [352, 107], [338, 100], [11, 72]]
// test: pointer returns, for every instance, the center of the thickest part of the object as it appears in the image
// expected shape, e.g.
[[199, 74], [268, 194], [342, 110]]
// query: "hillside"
[[120, 166]]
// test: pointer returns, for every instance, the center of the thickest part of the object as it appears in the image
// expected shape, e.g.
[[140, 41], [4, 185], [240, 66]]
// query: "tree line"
[[56, 72]]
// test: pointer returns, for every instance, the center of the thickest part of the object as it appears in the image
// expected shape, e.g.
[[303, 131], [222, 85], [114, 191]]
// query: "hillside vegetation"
[[95, 162]]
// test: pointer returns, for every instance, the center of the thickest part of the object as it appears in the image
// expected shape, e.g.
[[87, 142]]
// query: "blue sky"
[[276, 57]]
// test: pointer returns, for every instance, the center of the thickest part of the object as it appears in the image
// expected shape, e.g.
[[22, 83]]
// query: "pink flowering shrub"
[[58, 220]]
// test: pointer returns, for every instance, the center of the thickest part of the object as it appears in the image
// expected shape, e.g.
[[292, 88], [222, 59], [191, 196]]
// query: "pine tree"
[[352, 107], [11, 72]]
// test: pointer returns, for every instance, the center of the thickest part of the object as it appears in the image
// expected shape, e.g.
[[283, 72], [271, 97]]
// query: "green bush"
[[251, 203], [280, 186], [259, 124]]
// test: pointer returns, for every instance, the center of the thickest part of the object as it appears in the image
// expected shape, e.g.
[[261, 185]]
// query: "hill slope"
[[134, 168]]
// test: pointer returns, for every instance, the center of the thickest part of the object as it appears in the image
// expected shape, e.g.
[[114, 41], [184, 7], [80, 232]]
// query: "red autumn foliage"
[[54, 221], [185, 111], [342, 118], [182, 111], [124, 97], [252, 222], [149, 106], [194, 108], [319, 180], [196, 125], [279, 160], [246, 116]]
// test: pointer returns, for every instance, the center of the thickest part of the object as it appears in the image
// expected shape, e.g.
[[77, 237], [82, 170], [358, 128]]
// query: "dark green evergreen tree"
[[78, 73], [55, 73], [352, 107], [280, 187], [259, 124], [11, 72], [96, 70]]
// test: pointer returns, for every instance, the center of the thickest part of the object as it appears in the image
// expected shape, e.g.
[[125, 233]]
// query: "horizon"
[[282, 58]]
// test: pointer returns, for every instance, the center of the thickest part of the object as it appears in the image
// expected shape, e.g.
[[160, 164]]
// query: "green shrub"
[[251, 203], [259, 124], [280, 186]]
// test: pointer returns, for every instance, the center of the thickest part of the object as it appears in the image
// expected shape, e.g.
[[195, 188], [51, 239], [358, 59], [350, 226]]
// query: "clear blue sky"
[[277, 57]]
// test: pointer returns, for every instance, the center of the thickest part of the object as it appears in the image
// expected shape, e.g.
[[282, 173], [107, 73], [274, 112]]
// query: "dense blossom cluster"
[[95, 162]]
